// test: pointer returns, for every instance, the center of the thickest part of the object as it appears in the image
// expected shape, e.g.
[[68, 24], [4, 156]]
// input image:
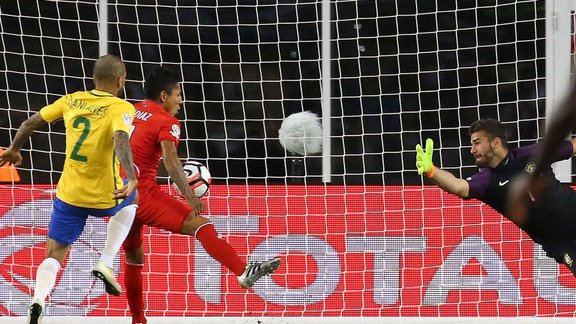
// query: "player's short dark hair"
[[492, 127], [158, 80]]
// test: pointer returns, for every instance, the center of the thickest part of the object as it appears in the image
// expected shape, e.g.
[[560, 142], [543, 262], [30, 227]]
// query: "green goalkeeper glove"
[[424, 159]]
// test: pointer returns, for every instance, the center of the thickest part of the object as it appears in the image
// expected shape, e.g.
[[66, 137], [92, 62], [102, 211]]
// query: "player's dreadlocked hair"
[[158, 80], [492, 128]]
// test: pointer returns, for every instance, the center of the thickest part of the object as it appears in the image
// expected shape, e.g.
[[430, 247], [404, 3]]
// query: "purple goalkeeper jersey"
[[553, 216]]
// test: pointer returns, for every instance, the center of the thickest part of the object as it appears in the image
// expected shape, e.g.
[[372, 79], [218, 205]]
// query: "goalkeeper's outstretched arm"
[[444, 179]]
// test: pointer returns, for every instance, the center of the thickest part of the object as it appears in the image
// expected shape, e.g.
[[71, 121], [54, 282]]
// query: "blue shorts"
[[67, 222]]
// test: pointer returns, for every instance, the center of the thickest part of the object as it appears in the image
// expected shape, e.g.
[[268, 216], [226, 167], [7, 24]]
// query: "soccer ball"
[[301, 133], [198, 177]]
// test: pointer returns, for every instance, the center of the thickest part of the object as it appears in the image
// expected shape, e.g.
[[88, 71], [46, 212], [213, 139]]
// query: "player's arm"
[[526, 189], [444, 179], [559, 127], [573, 145], [12, 154], [449, 183], [124, 156], [174, 168]]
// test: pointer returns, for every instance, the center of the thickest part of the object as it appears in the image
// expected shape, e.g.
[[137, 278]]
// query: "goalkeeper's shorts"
[[156, 209], [68, 221]]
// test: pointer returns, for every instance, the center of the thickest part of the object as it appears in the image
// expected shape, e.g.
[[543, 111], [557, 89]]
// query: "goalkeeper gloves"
[[424, 159]]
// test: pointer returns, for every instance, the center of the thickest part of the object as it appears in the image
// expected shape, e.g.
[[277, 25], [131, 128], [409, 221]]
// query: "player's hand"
[[523, 192], [126, 191], [11, 156], [196, 204], [424, 158]]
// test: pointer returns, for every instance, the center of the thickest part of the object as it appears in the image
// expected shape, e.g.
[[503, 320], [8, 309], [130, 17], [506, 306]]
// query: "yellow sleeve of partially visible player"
[[55, 110], [123, 116]]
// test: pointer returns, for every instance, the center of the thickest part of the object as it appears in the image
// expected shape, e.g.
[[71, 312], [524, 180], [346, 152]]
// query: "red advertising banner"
[[346, 251]]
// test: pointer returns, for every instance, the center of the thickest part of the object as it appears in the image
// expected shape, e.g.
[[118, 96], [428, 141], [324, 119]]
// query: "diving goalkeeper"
[[550, 220]]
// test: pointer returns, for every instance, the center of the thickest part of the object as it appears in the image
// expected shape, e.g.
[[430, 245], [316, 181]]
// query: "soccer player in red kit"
[[155, 135]]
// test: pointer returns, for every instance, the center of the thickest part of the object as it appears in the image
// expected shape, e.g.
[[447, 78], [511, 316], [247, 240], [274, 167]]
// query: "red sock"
[[133, 283], [219, 249]]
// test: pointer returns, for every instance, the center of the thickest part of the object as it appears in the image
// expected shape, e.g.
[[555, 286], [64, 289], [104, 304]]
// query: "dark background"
[[402, 71]]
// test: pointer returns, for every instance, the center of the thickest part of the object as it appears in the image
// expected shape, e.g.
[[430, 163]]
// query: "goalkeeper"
[[550, 220]]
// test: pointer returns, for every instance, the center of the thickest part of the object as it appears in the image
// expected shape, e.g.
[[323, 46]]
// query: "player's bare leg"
[[46, 278], [221, 251]]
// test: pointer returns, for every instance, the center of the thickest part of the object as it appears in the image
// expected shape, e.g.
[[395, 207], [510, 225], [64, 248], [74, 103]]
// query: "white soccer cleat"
[[106, 274], [36, 312], [255, 270]]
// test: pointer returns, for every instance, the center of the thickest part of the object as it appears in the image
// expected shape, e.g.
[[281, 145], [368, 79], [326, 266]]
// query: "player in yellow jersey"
[[97, 142]]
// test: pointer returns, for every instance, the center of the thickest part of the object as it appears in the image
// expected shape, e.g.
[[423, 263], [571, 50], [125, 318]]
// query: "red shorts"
[[157, 209]]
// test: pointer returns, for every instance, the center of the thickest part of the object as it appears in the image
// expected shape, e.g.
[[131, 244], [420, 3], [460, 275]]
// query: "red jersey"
[[152, 124]]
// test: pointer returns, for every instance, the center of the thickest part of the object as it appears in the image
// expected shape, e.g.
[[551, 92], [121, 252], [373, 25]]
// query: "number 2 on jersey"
[[85, 131]]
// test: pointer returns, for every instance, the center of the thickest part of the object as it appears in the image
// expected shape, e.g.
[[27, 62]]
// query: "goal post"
[[326, 91], [103, 27], [361, 235]]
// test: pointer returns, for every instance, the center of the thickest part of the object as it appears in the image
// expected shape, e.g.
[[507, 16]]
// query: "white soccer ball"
[[301, 133], [198, 177]]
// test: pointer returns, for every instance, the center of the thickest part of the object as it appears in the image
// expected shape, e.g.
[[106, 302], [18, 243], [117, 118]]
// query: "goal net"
[[376, 240]]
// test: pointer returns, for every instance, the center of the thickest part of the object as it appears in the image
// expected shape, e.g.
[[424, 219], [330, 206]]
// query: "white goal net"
[[375, 241]]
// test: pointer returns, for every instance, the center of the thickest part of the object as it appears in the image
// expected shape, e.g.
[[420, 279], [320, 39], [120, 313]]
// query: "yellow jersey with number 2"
[[91, 170]]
